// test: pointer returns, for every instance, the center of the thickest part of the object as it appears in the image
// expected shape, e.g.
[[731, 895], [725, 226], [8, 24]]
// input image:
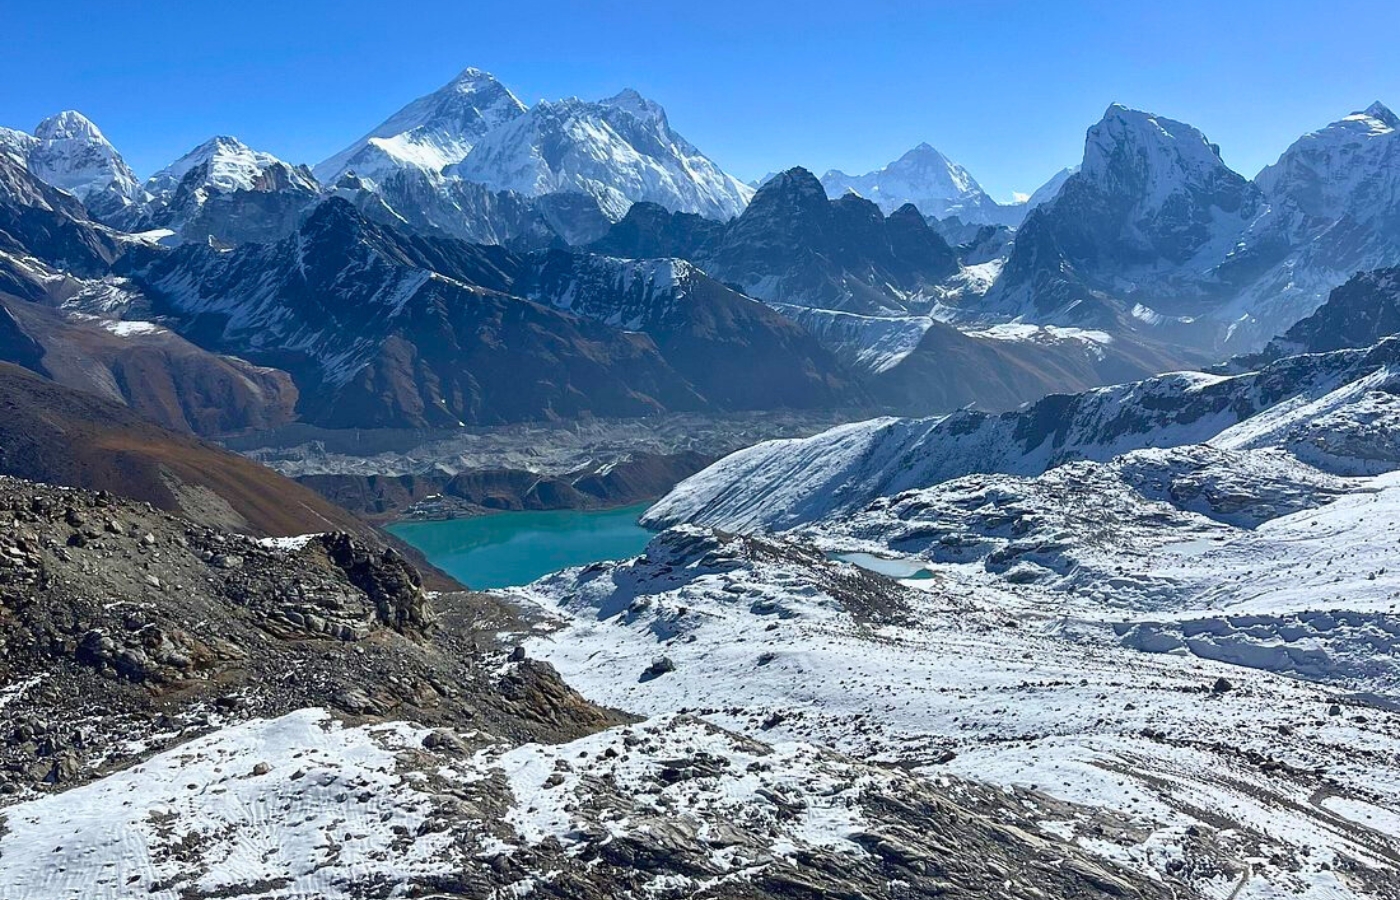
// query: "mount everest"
[[1091, 595]]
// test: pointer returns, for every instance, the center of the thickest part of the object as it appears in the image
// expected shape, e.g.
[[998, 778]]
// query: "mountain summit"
[[620, 151], [1351, 167], [931, 181], [430, 133], [71, 153]]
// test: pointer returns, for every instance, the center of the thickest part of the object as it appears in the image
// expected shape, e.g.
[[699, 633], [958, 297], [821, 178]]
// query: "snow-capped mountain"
[[469, 160], [1141, 224], [69, 152], [430, 133], [620, 151], [932, 182], [1151, 205], [224, 164], [1047, 191], [1156, 233], [226, 191], [1351, 168], [1335, 210]]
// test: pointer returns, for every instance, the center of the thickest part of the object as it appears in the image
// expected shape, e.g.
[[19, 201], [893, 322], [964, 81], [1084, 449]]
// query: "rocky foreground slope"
[[191, 713]]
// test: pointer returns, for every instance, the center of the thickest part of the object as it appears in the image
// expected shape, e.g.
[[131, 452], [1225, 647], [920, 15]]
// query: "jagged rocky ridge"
[[869, 285], [1154, 229], [1359, 313], [383, 329], [787, 483], [1152, 255]]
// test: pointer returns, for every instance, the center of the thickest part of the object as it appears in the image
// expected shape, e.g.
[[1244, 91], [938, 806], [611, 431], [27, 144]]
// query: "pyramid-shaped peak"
[[472, 79], [1381, 112], [630, 100], [790, 178]]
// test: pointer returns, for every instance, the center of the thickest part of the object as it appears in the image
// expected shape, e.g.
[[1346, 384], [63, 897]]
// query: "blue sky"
[[1006, 88]]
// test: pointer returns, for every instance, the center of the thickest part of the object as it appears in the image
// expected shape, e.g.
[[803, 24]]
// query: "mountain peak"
[[633, 102], [431, 133], [71, 153], [69, 125], [926, 178], [1141, 146], [219, 143], [472, 75], [796, 178], [1381, 112], [479, 84], [230, 165]]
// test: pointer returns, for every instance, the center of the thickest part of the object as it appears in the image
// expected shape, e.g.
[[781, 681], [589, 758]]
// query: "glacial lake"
[[514, 548]]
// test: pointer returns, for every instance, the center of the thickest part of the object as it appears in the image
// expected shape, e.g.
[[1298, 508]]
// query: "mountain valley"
[[1037, 549]]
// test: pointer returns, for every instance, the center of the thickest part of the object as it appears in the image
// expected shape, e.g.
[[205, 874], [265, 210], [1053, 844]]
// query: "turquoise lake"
[[514, 548]]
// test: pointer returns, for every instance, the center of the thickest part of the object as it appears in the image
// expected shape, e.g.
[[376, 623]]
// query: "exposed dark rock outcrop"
[[380, 329], [148, 628], [1360, 313]]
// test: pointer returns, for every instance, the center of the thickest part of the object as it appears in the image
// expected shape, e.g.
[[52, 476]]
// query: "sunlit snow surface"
[[1086, 596], [302, 806]]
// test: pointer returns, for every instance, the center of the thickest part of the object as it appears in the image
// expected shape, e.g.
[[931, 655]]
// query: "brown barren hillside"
[[54, 434]]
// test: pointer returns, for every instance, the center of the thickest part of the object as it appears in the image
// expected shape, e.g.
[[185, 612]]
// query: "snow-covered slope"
[[224, 164], [783, 484], [1184, 765], [1173, 602], [1047, 191], [620, 151], [430, 133], [226, 191], [16, 144], [1361, 312], [69, 152], [1349, 168], [936, 185], [304, 806]]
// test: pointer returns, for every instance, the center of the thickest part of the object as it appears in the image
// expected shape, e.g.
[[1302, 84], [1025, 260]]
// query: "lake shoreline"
[[500, 551]]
